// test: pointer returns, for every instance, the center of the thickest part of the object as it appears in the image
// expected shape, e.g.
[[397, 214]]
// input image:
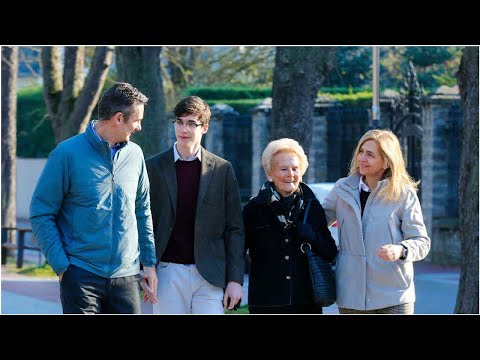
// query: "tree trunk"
[[69, 98], [9, 133], [140, 66], [467, 298], [299, 72], [179, 64]]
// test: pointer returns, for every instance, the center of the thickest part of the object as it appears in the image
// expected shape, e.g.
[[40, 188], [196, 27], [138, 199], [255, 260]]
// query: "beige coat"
[[364, 281]]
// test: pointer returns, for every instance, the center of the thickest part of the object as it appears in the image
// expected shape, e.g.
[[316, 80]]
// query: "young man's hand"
[[233, 294]]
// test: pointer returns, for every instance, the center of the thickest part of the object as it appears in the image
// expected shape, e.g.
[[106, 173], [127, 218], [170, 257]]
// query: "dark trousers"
[[83, 292]]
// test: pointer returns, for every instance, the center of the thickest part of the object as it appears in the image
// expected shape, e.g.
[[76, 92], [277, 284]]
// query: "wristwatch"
[[404, 253]]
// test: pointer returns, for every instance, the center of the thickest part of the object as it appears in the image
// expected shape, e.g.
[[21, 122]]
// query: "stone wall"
[[336, 131], [441, 148], [427, 166], [230, 137], [318, 154], [260, 135], [445, 248], [214, 137]]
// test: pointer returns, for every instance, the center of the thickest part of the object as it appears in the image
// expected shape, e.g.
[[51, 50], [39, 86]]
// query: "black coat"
[[279, 272]]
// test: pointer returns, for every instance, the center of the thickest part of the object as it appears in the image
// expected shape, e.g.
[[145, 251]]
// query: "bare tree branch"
[[69, 103], [91, 92]]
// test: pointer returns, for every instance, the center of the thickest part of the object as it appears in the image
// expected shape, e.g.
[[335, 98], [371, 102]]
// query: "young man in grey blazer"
[[197, 221]]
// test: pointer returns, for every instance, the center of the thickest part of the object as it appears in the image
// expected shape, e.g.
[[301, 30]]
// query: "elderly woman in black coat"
[[274, 231]]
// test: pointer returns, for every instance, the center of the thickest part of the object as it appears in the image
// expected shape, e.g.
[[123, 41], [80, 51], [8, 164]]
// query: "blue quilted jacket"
[[92, 211]]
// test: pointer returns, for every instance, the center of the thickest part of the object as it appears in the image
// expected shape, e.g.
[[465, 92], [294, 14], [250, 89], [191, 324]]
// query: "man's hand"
[[232, 292], [149, 284], [60, 276]]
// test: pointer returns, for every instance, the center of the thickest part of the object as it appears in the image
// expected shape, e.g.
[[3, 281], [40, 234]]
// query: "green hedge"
[[35, 136], [360, 99], [246, 92], [231, 93], [342, 90], [243, 106], [34, 130]]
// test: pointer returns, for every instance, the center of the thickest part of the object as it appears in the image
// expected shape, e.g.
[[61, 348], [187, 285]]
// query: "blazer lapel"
[[206, 175], [168, 167]]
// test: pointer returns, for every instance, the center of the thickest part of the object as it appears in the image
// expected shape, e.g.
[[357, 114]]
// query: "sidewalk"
[[436, 290]]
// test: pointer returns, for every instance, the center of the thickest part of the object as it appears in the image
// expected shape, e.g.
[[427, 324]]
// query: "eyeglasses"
[[190, 124]]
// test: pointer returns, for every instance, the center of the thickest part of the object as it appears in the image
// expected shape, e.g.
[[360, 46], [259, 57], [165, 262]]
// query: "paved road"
[[436, 289]]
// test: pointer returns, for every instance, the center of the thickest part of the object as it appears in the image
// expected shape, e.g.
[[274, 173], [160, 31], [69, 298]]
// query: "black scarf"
[[286, 208]]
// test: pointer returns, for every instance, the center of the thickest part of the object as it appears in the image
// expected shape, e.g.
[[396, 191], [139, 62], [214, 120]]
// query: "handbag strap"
[[307, 210], [305, 215]]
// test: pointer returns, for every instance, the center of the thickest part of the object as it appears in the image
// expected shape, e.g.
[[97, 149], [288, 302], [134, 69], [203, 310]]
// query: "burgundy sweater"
[[180, 246]]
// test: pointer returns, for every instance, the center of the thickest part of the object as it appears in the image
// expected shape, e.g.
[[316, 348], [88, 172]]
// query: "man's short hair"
[[121, 97]]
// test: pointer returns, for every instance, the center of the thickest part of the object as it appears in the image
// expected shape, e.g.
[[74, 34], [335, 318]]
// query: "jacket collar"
[[208, 164], [167, 164], [307, 193], [95, 140], [353, 181]]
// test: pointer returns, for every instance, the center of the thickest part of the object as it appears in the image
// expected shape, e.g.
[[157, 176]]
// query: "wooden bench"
[[8, 234]]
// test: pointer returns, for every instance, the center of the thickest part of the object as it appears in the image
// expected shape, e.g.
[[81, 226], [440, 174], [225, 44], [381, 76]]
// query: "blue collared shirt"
[[114, 148]]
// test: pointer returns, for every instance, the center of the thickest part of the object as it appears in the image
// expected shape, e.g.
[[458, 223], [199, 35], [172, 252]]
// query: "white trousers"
[[182, 290]]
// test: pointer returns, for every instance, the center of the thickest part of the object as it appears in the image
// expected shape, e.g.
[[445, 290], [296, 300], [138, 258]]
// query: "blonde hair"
[[391, 152], [283, 145]]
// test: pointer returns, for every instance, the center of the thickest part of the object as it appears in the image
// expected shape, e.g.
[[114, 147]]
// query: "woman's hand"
[[390, 252], [305, 233]]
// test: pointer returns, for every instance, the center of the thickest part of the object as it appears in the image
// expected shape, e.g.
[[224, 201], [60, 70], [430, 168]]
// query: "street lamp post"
[[375, 87]]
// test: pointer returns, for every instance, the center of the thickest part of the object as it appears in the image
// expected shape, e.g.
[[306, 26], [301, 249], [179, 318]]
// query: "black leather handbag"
[[321, 273]]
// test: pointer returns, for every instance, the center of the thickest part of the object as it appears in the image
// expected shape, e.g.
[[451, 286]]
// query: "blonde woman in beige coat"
[[380, 228]]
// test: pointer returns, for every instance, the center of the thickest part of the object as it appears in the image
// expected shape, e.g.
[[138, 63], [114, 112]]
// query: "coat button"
[[287, 277]]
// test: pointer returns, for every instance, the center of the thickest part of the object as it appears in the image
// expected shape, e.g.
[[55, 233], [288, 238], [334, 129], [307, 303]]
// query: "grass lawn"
[[29, 268], [44, 270], [241, 310]]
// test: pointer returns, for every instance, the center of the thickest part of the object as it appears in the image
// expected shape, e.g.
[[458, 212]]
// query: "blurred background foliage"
[[239, 76]]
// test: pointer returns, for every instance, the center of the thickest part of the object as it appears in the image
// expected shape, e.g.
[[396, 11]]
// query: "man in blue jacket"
[[91, 211]]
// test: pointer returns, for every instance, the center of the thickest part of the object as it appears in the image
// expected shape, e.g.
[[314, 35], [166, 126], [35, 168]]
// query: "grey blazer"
[[219, 234]]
